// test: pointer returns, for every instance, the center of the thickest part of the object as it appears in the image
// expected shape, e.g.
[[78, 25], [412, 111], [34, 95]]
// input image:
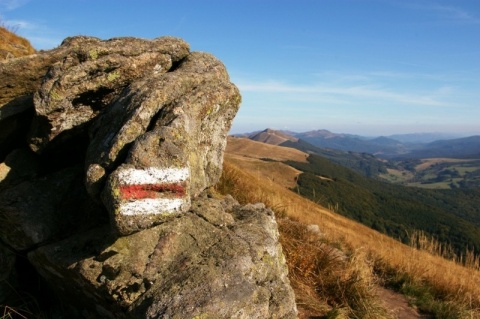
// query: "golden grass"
[[274, 137], [253, 149], [12, 45], [278, 172], [454, 282], [327, 281]]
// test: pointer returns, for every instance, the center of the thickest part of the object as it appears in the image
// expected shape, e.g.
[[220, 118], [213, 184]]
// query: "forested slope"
[[451, 216]]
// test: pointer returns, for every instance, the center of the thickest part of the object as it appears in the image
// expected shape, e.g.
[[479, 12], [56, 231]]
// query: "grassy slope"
[[449, 215], [248, 155], [456, 285], [248, 148], [12, 45]]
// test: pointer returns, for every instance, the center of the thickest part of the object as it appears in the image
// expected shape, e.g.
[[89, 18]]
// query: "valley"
[[456, 166], [437, 173]]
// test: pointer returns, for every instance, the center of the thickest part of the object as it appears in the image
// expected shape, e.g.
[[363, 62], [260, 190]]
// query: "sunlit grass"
[[12, 45], [449, 282]]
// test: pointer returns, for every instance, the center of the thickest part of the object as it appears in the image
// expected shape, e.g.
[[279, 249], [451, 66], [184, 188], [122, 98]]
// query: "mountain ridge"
[[381, 146]]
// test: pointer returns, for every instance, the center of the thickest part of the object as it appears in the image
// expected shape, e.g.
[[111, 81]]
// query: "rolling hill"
[[274, 137], [362, 163], [353, 143], [421, 145], [467, 147]]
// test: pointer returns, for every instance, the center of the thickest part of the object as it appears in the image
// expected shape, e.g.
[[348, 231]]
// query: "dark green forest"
[[363, 163], [451, 216], [373, 167]]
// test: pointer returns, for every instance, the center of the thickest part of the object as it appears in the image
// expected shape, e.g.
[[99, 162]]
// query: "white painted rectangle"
[[152, 206], [152, 175]]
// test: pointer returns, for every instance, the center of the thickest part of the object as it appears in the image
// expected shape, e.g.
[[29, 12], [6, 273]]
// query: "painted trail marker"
[[153, 190]]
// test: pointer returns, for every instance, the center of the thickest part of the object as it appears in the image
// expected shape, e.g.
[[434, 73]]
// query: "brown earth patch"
[[397, 304]]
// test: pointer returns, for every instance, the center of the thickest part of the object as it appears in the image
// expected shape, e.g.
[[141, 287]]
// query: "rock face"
[[220, 260], [107, 150]]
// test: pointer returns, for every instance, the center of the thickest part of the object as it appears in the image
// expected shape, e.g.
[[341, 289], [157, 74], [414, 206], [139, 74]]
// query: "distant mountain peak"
[[271, 136]]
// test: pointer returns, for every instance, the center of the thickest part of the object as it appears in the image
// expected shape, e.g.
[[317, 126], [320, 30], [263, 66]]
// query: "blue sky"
[[369, 67]]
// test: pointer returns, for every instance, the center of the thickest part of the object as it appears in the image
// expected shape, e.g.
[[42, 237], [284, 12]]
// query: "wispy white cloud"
[[352, 93], [406, 75], [455, 14], [447, 13], [39, 35], [380, 76], [20, 24], [12, 4]]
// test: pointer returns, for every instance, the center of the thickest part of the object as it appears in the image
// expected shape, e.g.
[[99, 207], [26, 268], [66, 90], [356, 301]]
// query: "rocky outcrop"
[[219, 260], [108, 150]]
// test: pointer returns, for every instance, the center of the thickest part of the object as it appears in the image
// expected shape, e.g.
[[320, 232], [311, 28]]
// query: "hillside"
[[423, 138], [249, 148], [438, 286], [362, 163], [467, 147], [274, 137], [12, 45], [451, 216]]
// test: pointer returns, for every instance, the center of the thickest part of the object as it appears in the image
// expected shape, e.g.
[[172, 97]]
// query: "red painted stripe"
[[133, 192]]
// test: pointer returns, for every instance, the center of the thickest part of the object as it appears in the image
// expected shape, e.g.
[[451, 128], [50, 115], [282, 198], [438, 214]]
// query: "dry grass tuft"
[[422, 241], [325, 279], [12, 45]]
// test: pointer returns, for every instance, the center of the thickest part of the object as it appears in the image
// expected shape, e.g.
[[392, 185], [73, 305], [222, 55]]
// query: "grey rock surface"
[[90, 75], [207, 263], [45, 209], [176, 123]]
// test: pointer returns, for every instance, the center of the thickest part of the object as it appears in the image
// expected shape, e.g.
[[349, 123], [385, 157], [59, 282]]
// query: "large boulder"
[[219, 260], [107, 150]]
